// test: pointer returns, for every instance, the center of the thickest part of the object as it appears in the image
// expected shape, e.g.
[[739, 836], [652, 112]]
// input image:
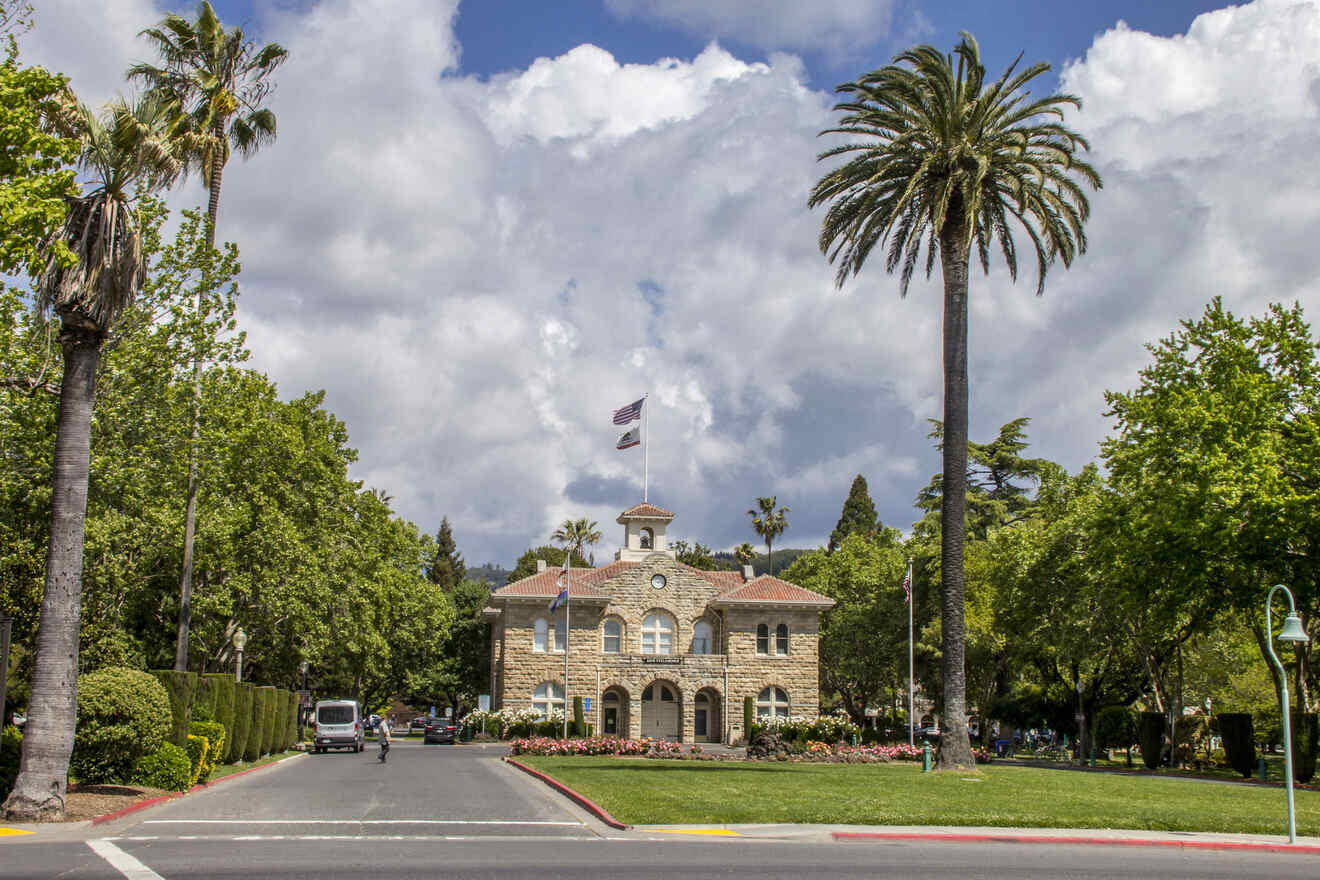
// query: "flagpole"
[[568, 602], [912, 709], [646, 444]]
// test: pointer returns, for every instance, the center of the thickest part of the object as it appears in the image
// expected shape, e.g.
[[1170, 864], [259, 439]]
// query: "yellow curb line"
[[11, 832], [722, 832]]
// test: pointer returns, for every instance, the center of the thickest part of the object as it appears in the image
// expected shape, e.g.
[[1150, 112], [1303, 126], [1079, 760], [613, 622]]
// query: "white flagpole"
[[646, 444], [912, 709], [568, 595]]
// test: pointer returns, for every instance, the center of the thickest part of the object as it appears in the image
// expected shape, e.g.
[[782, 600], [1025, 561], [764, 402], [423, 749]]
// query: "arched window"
[[647, 538], [701, 638], [558, 646], [612, 636], [538, 635], [772, 703], [762, 638], [657, 634], [659, 692], [781, 639], [548, 697]]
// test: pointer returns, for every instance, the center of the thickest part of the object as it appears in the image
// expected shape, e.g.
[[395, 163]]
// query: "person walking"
[[383, 735]]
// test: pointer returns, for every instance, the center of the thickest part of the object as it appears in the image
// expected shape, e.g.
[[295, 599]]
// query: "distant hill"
[[761, 563], [490, 573]]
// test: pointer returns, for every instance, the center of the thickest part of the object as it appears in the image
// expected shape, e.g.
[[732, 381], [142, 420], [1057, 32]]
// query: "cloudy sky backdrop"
[[485, 226]]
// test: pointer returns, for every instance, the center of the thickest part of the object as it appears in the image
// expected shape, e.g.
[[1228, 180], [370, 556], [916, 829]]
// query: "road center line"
[[122, 861], [358, 822]]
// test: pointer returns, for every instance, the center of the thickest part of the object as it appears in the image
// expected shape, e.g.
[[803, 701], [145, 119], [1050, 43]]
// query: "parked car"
[[418, 724], [440, 730], [337, 725]]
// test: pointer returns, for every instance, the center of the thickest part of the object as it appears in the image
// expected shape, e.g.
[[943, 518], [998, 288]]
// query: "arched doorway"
[[614, 712], [660, 711], [706, 722]]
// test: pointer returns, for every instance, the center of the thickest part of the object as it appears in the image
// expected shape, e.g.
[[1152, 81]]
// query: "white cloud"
[[841, 25], [479, 272]]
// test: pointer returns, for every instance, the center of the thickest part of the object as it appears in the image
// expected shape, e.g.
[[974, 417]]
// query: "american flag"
[[907, 587], [630, 413]]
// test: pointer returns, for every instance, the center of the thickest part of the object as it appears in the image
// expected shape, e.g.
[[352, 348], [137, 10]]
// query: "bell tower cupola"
[[643, 532]]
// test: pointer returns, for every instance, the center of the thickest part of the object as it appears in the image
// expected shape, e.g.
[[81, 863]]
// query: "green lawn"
[[657, 792]]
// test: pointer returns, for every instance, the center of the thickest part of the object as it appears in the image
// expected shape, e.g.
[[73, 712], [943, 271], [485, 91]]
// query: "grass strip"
[[655, 792], [229, 769]]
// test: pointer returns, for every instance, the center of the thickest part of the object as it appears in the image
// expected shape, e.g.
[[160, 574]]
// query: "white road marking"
[[372, 837], [356, 822], [122, 862]]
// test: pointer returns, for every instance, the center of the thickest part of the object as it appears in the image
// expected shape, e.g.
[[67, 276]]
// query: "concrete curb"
[[581, 800], [151, 802], [1078, 840]]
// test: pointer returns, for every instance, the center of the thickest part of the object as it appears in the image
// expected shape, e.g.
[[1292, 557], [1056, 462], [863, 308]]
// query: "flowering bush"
[[506, 722], [598, 745], [799, 728]]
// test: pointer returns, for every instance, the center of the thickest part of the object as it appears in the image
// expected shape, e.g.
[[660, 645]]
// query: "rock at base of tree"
[[767, 745]]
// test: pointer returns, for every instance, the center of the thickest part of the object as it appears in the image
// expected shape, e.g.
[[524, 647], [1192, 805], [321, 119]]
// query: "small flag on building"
[[559, 600], [907, 587], [630, 413], [630, 439]]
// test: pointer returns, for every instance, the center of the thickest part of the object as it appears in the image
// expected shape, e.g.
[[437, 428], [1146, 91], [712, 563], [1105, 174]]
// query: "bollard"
[[1260, 768], [926, 761], [854, 739]]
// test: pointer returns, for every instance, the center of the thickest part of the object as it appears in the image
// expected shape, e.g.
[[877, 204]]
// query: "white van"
[[337, 725]]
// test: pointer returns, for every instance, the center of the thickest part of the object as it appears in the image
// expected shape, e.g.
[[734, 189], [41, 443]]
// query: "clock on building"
[[658, 581]]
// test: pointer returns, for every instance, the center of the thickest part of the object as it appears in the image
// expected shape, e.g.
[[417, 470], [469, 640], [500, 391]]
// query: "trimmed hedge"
[[1305, 736], [579, 728], [197, 748], [272, 721], [123, 714], [291, 732], [1151, 733], [217, 746], [1239, 741], [222, 689], [11, 753], [168, 767], [749, 718], [242, 729], [181, 687], [257, 732]]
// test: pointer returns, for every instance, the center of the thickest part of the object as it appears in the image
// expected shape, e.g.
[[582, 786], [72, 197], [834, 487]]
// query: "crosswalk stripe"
[[122, 862]]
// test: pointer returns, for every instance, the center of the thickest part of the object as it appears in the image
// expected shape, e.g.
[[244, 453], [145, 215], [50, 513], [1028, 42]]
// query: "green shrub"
[[11, 752], [242, 729], [270, 711], [1239, 741], [1115, 727], [1152, 738], [123, 714], [291, 719], [749, 718], [196, 748], [223, 690], [257, 728], [1305, 736], [168, 767], [1190, 733], [579, 728], [547, 728], [215, 735], [182, 687]]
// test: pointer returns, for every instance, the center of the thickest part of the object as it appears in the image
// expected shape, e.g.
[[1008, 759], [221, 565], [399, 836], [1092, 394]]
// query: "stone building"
[[660, 648]]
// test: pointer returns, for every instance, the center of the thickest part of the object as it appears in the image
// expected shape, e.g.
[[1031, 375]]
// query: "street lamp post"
[[240, 639], [1292, 632]]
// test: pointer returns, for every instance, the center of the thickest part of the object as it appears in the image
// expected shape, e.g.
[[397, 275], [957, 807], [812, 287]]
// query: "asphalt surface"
[[458, 811]]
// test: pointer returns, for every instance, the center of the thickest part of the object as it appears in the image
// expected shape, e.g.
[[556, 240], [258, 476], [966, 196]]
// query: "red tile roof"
[[725, 580], [771, 590], [545, 584], [647, 511]]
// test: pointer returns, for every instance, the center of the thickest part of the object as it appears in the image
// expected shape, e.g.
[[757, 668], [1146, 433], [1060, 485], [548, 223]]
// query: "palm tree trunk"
[[39, 790], [955, 747], [194, 441]]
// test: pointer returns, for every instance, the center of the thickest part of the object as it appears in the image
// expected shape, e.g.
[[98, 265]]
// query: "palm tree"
[[939, 154], [88, 295], [769, 524], [744, 553], [217, 81], [576, 534]]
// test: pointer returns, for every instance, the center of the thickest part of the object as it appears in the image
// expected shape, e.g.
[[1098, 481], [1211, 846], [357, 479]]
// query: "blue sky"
[[485, 226]]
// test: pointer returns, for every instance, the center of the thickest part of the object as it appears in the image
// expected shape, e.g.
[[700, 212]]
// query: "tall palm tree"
[[939, 154], [217, 81], [744, 553], [769, 524], [576, 534], [88, 295]]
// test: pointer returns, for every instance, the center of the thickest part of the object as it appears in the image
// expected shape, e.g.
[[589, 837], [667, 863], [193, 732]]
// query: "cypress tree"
[[858, 517], [446, 567]]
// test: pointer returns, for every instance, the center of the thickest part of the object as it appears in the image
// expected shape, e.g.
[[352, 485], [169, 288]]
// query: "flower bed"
[[661, 748]]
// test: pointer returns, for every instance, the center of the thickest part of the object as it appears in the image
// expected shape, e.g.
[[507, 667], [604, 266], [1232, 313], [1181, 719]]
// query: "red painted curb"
[[583, 801], [151, 802], [1077, 841]]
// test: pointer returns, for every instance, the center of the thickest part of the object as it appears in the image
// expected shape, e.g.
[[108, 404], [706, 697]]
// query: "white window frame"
[[559, 636], [606, 636], [762, 639], [781, 640], [703, 638], [772, 702], [657, 635], [548, 696], [539, 635]]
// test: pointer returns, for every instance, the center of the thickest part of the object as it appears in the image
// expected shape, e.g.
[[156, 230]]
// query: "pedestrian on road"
[[383, 734]]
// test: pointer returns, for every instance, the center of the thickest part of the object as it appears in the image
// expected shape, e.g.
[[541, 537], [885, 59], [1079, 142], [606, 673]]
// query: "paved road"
[[442, 811]]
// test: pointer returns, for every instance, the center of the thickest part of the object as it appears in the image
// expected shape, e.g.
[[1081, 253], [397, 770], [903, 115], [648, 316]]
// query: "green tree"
[[575, 534], [858, 516], [553, 556], [216, 81], [744, 553], [769, 523], [939, 154], [696, 554], [446, 566], [88, 297]]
